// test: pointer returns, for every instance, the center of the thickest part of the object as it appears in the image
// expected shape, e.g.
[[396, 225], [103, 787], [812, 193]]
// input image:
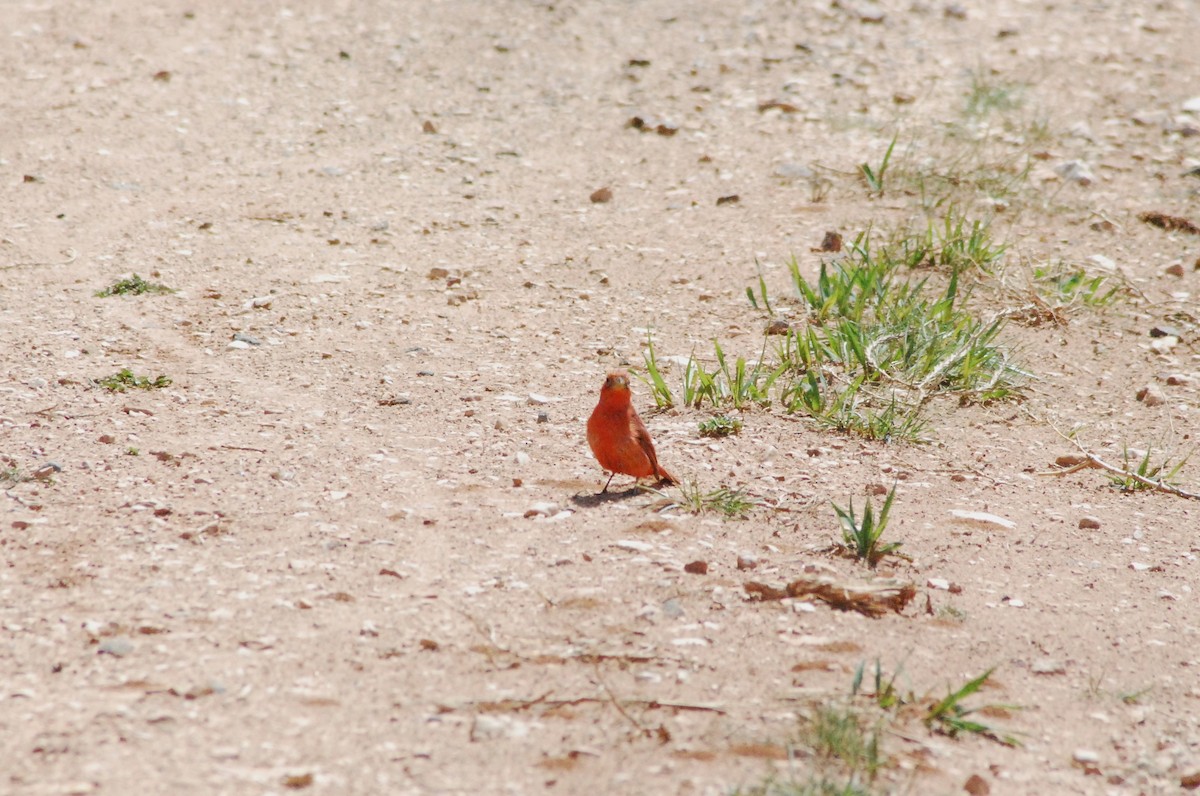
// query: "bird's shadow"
[[586, 501]]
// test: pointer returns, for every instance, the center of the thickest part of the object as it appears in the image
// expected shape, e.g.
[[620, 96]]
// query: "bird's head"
[[616, 381]]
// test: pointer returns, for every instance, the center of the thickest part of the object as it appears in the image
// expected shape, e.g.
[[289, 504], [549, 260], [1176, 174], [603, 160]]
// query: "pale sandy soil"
[[317, 574]]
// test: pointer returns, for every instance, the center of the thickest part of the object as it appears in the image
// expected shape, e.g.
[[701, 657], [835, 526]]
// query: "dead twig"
[[1091, 460], [872, 598], [71, 255], [616, 704], [518, 705]]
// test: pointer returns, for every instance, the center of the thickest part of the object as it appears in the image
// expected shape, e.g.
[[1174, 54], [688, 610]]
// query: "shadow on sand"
[[586, 501]]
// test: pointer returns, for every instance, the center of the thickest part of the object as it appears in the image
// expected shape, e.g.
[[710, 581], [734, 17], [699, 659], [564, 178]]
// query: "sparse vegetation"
[[125, 379], [951, 613], [950, 717], [838, 735], [731, 503], [876, 344], [133, 286], [1134, 697], [720, 426], [862, 537], [885, 694], [1068, 286], [845, 753], [658, 385], [842, 743], [810, 787], [398, 488], [1140, 473], [762, 293], [874, 176], [988, 95]]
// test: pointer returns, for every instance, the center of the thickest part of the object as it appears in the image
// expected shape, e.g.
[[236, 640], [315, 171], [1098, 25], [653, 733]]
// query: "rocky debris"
[[984, 518], [1152, 395], [1076, 171]]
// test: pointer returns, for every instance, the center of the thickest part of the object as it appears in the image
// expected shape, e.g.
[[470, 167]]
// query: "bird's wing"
[[643, 440]]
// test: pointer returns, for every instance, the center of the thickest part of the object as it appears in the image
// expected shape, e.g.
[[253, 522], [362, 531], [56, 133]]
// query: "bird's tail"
[[665, 478]]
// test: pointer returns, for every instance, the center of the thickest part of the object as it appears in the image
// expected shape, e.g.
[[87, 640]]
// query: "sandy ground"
[[359, 551]]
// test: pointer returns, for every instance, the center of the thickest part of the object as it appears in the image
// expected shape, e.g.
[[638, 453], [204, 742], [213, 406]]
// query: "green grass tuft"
[[125, 379], [862, 536], [950, 717], [133, 286], [1165, 472], [720, 426], [732, 503]]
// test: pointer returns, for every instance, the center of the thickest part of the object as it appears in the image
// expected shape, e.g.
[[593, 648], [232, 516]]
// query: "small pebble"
[[1070, 460], [522, 458], [672, 608], [1089, 523], [117, 646], [696, 568], [1048, 666], [46, 471], [1164, 330], [747, 561], [1175, 268], [977, 786], [983, 517], [1151, 395], [1177, 380], [1076, 171], [635, 546], [1164, 345], [544, 509], [543, 417], [489, 726], [793, 171]]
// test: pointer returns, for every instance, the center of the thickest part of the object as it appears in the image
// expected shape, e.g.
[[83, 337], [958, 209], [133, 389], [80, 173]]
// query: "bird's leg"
[[609, 481]]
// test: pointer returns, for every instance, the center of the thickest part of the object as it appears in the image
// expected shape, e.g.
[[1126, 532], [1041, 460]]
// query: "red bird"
[[619, 438]]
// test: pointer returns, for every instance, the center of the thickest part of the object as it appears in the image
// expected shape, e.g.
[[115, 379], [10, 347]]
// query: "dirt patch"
[[339, 532]]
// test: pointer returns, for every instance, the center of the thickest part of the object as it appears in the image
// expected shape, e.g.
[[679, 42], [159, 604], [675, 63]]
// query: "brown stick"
[[1093, 460]]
